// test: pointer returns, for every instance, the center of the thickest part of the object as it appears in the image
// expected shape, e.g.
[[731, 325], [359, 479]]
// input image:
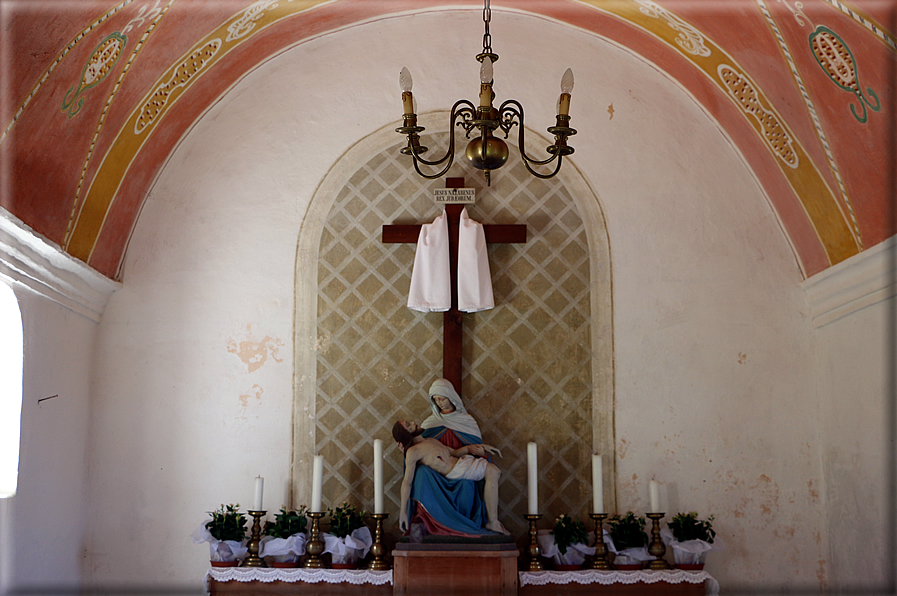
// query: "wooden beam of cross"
[[452, 323]]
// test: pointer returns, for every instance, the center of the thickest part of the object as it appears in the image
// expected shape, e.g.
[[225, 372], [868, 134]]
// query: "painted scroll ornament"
[[837, 61]]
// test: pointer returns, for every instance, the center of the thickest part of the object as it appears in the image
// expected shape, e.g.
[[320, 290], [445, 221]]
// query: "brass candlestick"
[[253, 560], [377, 549], [657, 548], [315, 546], [600, 560], [534, 551]]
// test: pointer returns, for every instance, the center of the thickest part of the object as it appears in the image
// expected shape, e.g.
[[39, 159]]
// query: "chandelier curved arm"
[[510, 114], [462, 109]]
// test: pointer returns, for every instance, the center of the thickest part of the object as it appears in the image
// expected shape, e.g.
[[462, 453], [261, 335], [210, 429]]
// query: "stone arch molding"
[[306, 341]]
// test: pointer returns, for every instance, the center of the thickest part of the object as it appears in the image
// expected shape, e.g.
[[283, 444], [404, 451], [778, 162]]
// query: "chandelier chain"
[[487, 38]]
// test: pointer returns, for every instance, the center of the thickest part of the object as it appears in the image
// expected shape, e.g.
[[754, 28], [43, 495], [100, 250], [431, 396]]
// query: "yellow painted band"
[[156, 104], [819, 202]]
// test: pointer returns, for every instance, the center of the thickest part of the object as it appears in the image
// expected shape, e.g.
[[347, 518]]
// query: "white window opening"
[[11, 357]]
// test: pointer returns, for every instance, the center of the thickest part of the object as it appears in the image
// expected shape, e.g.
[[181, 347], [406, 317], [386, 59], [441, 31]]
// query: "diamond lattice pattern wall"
[[527, 363]]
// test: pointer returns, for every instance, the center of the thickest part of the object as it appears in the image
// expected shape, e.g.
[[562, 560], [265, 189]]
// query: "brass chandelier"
[[485, 151]]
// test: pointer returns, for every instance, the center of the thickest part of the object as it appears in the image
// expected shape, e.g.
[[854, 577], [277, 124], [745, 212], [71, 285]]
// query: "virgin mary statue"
[[444, 506]]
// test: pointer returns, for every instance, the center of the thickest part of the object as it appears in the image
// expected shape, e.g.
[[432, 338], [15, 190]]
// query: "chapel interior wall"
[[857, 427], [194, 382], [43, 527]]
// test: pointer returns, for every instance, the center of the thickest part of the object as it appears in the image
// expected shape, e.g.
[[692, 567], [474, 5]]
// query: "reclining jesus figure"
[[464, 463]]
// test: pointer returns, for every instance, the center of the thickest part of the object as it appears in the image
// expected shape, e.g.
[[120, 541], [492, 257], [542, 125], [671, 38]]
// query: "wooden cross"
[[452, 327]]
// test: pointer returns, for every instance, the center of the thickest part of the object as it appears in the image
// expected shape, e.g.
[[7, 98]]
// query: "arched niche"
[[537, 367]]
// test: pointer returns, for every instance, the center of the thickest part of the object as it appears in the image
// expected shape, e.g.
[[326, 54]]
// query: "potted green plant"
[[348, 537], [567, 543], [629, 542], [225, 533], [284, 538], [690, 539]]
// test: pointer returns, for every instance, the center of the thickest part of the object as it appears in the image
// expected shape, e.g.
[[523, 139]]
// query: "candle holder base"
[[253, 560], [315, 546], [378, 563], [600, 561], [534, 551], [656, 548]]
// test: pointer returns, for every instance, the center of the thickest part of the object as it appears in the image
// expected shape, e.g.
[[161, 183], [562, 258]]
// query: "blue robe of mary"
[[444, 506]]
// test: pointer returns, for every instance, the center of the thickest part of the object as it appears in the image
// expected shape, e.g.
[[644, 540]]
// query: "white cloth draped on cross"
[[431, 279]]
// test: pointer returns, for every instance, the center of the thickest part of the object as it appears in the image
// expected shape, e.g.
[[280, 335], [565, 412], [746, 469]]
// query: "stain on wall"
[[254, 353]]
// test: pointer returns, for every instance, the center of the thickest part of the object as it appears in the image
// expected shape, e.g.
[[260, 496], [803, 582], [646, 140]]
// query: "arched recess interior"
[[306, 296]]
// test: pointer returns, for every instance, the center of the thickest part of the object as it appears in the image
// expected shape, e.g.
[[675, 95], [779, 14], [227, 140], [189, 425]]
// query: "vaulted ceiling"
[[97, 94]]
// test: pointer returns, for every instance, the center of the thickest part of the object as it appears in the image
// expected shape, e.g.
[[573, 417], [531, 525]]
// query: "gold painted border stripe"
[[118, 159], [818, 200], [46, 74], [102, 119]]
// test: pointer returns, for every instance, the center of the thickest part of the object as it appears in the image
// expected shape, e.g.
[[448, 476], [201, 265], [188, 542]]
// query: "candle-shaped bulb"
[[566, 88], [486, 70], [408, 103], [405, 79], [486, 82], [566, 81]]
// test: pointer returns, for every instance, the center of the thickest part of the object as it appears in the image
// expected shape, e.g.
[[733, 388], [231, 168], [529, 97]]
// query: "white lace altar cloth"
[[594, 576], [299, 574]]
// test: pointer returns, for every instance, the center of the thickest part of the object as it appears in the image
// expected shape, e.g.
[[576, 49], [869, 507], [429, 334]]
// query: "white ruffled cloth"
[[689, 551], [607, 578], [474, 277], [430, 289], [351, 548], [219, 550], [283, 549], [356, 577], [627, 555], [575, 555], [431, 284]]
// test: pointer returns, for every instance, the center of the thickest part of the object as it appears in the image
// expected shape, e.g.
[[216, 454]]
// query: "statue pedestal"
[[455, 569]]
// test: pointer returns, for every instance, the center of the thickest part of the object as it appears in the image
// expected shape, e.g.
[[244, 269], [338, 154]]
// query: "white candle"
[[259, 491], [654, 494], [532, 478], [378, 476], [317, 480], [597, 485]]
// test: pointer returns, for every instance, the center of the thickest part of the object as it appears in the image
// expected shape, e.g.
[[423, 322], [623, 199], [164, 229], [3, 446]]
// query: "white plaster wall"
[[713, 348], [856, 403], [42, 528], [856, 364]]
